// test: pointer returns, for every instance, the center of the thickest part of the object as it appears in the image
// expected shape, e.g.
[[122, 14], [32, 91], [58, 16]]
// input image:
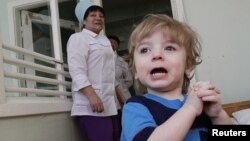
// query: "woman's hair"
[[92, 9], [180, 33]]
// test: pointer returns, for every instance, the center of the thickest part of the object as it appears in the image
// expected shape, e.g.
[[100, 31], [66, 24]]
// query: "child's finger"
[[203, 85], [196, 86], [217, 90], [210, 98], [209, 87], [202, 93]]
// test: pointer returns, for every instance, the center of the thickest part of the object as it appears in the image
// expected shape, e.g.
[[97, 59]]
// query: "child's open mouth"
[[158, 73]]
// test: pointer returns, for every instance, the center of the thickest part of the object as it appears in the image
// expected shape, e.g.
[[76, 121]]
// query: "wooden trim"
[[236, 106]]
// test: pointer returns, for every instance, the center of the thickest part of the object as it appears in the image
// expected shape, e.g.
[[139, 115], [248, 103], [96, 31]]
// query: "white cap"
[[81, 8]]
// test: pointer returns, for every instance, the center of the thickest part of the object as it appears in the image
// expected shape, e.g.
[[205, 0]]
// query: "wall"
[[50, 127], [224, 29], [4, 27]]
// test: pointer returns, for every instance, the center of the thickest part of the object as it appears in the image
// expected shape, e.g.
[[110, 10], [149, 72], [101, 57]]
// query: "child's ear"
[[189, 70]]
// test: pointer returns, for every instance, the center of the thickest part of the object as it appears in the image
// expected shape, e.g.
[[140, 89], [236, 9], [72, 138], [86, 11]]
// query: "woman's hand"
[[94, 100], [95, 103]]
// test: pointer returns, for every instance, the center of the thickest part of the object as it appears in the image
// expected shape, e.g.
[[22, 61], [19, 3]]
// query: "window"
[[35, 74], [36, 29]]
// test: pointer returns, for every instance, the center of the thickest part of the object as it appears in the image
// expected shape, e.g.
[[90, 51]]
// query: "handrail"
[[19, 74], [39, 56], [34, 66], [37, 91], [35, 78]]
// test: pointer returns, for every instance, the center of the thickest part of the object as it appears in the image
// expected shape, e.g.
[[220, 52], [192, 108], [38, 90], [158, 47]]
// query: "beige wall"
[[51, 127], [4, 27], [224, 29]]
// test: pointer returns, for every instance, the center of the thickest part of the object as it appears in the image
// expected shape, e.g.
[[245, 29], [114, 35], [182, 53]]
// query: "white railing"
[[19, 74]]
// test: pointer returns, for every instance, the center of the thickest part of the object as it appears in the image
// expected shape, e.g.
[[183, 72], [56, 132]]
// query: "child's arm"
[[222, 118], [215, 111], [177, 127], [212, 104]]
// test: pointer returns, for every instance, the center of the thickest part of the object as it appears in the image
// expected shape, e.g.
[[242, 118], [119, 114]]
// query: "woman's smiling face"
[[94, 21]]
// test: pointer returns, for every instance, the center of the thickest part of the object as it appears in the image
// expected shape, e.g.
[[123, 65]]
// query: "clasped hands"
[[205, 96]]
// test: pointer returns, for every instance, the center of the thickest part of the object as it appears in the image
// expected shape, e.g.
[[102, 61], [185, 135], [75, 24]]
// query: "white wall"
[[224, 27]]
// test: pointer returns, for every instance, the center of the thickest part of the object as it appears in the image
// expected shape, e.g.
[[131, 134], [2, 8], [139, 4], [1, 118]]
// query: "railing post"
[[57, 40], [2, 85]]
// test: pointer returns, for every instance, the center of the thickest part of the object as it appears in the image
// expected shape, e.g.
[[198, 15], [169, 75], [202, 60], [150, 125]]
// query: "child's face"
[[160, 63]]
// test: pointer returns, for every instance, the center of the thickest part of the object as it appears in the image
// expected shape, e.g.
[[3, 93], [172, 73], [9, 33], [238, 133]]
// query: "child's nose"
[[158, 55]]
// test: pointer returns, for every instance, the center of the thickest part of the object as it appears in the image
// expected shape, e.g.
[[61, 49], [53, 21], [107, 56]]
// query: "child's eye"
[[144, 50], [170, 48]]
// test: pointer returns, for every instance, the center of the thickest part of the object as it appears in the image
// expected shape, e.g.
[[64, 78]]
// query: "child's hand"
[[210, 96], [194, 102]]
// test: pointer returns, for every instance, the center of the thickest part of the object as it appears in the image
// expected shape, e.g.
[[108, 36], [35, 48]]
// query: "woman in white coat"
[[92, 68]]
